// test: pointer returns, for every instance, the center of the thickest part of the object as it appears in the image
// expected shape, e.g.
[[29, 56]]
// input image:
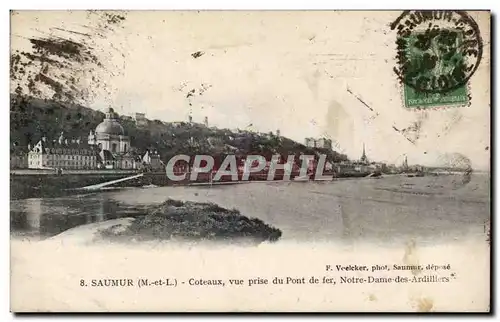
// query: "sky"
[[307, 73]]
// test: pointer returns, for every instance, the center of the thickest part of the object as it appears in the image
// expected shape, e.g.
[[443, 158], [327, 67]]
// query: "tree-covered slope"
[[31, 118]]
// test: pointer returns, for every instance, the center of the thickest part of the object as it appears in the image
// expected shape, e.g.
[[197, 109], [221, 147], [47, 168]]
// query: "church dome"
[[110, 125]]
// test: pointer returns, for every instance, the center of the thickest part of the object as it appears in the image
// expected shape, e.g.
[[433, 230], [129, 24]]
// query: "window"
[[124, 148], [113, 147]]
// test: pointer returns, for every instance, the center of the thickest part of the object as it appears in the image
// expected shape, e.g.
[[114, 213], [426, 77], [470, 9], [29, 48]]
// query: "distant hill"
[[31, 118]]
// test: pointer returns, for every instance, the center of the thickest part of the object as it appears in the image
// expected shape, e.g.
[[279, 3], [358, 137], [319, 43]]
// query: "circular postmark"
[[457, 167], [437, 51]]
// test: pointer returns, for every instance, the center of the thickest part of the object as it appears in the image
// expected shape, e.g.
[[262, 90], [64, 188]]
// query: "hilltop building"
[[310, 142], [321, 143], [324, 143], [140, 120]]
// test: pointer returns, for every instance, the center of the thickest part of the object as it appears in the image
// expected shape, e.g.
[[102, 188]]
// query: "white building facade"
[[62, 154]]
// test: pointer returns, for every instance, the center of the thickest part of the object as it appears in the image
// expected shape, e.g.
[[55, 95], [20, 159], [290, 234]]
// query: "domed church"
[[113, 144]]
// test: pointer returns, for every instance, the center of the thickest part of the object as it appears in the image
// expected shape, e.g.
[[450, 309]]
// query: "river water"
[[383, 210]]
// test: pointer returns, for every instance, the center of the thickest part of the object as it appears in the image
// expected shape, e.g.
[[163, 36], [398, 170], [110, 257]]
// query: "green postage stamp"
[[415, 99], [437, 53]]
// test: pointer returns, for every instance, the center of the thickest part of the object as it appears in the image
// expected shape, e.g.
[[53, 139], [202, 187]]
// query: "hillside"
[[31, 118]]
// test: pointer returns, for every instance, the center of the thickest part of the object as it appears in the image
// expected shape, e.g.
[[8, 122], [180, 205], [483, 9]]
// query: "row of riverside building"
[[105, 148]]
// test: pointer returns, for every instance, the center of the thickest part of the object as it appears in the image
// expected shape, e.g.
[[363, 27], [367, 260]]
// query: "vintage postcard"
[[250, 161]]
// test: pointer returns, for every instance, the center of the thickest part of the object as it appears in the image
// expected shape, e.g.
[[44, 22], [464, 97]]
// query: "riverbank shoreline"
[[39, 185], [35, 184]]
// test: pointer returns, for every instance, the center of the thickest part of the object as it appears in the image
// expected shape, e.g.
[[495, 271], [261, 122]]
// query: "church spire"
[[363, 156]]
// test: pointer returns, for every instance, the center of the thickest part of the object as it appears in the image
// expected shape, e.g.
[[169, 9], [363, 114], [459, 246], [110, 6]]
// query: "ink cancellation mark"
[[437, 54]]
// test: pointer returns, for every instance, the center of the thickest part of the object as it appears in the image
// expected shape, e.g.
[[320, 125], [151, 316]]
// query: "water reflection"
[[46, 217], [391, 209]]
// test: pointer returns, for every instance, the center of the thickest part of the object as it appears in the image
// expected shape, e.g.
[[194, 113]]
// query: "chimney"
[[78, 140], [44, 139], [66, 141], [61, 138]]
